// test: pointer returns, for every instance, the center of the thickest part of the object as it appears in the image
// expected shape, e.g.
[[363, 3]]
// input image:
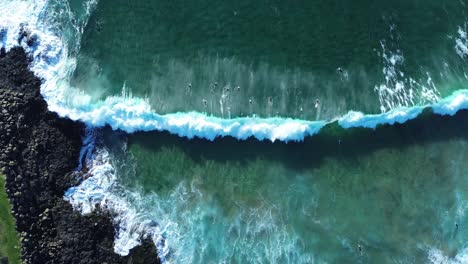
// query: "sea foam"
[[436, 256], [99, 190]]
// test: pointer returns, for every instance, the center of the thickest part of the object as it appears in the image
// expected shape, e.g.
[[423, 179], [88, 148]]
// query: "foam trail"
[[462, 42], [398, 90], [436, 256]]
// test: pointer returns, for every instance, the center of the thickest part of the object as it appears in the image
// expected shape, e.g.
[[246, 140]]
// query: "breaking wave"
[[53, 63], [99, 189]]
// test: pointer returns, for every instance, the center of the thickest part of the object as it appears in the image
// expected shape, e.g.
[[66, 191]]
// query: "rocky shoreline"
[[39, 153]]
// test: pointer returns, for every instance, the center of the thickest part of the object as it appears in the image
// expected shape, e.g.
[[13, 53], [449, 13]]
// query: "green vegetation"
[[9, 243]]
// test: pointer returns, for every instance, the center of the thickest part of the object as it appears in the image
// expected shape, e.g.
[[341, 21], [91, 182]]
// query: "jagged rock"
[[31, 40]]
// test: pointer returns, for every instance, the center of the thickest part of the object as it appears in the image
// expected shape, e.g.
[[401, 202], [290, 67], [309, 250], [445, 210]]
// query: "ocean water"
[[276, 132], [273, 58]]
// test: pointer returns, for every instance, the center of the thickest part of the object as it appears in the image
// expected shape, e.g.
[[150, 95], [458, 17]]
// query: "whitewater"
[[53, 60]]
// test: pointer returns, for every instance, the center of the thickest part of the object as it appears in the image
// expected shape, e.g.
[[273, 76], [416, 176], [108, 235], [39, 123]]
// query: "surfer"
[[317, 103], [344, 76], [270, 100], [270, 106], [360, 248]]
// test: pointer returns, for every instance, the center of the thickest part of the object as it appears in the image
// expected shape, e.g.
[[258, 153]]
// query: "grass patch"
[[9, 243]]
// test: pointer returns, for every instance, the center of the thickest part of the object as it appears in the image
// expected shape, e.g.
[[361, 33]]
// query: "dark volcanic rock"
[[39, 152]]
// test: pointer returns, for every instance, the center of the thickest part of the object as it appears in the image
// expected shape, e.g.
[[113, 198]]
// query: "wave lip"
[[399, 115], [452, 104]]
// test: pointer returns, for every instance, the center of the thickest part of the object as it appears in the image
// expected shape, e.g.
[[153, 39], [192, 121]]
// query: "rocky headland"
[[39, 153]]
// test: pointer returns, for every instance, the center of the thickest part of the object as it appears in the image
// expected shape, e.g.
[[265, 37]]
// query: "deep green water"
[[397, 192], [179, 53]]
